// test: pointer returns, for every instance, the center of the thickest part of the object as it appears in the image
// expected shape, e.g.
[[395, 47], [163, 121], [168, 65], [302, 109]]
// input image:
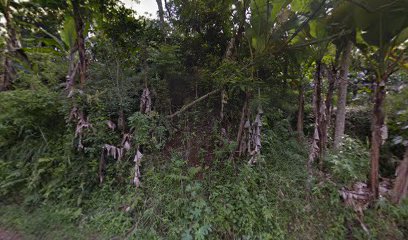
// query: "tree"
[[382, 38], [161, 14], [321, 107], [12, 45], [78, 14], [342, 95]]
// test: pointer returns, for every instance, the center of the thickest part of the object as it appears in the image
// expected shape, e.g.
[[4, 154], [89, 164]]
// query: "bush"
[[350, 163]]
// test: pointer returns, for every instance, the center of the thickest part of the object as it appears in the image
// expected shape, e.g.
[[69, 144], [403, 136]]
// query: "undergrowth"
[[52, 191], [224, 200]]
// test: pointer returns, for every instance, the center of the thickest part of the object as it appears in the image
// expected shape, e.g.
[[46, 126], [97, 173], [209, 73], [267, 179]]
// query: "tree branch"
[[185, 107]]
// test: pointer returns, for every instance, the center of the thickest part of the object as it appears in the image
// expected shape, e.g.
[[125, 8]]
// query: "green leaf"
[[56, 39], [317, 29], [48, 50], [68, 33], [402, 37]]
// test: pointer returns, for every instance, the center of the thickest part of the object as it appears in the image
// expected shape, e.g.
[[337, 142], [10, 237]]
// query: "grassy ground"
[[47, 222]]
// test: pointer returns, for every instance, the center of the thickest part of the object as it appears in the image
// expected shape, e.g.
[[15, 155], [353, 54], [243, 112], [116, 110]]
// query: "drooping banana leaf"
[[68, 33]]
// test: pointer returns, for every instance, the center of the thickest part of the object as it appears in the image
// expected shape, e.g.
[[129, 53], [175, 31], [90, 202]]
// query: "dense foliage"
[[218, 120]]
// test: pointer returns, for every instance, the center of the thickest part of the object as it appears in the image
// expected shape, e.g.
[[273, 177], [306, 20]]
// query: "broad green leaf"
[[380, 21], [56, 39], [68, 33]]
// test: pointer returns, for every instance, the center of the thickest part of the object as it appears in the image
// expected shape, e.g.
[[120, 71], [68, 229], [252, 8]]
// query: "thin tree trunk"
[[342, 95], [320, 117], [326, 115], [79, 28], [401, 182], [161, 14], [231, 49], [376, 138], [240, 134], [9, 74], [102, 166], [121, 118], [315, 147], [301, 112], [72, 70], [242, 123], [12, 44], [121, 121], [223, 102]]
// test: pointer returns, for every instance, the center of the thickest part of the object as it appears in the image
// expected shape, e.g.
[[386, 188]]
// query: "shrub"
[[351, 162]]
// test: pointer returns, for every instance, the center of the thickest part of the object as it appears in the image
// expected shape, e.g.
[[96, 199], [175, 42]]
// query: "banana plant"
[[64, 45], [381, 35]]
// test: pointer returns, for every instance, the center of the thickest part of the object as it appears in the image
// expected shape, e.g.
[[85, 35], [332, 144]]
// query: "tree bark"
[[102, 166], [244, 113], [376, 138], [400, 189], [72, 70], [12, 44], [161, 14], [79, 28], [315, 149], [320, 116], [326, 114], [301, 112], [342, 96]]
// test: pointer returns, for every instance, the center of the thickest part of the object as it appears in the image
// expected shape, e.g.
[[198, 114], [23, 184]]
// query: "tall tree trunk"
[[401, 183], [326, 114], [72, 70], [244, 114], [79, 28], [317, 92], [376, 136], [161, 14], [342, 95], [315, 147], [301, 112], [12, 44], [320, 116], [229, 54]]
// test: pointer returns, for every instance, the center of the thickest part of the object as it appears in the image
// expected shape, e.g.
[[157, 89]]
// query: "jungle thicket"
[[219, 119]]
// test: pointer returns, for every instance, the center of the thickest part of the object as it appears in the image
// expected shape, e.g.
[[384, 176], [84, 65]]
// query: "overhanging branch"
[[187, 106]]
